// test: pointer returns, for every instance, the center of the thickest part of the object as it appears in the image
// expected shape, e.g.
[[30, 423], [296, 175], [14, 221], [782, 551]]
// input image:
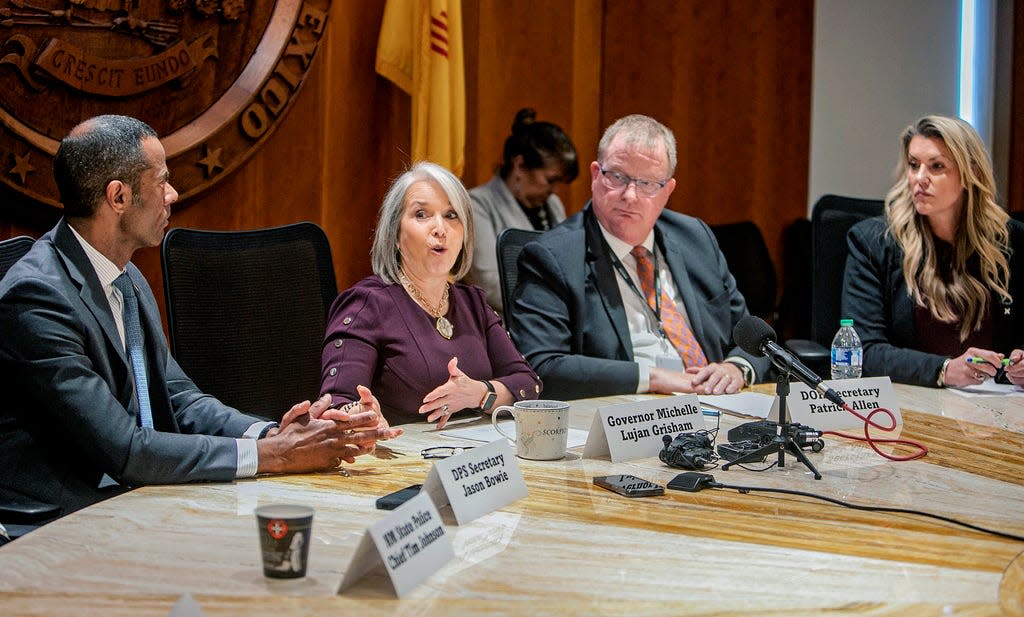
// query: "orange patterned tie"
[[676, 328]]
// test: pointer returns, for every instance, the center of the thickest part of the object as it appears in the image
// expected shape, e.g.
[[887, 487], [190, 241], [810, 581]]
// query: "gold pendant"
[[444, 327]]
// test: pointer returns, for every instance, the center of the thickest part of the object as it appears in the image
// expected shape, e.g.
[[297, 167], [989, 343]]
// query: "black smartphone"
[[630, 486], [393, 500]]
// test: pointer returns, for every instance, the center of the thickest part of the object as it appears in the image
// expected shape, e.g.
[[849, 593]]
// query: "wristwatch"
[[489, 398]]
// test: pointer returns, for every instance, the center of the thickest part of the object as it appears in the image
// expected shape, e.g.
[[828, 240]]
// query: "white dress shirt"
[[644, 330]]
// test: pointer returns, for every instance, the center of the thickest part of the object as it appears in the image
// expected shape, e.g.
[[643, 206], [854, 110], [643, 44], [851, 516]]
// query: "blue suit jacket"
[[569, 321], [69, 413]]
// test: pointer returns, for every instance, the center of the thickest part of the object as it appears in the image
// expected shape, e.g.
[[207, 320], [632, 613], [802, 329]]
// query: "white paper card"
[[186, 606], [487, 432], [863, 395], [753, 404], [410, 543], [987, 387], [477, 482], [628, 431]]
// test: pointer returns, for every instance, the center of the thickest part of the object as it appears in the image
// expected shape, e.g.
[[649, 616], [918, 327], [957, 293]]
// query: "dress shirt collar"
[[105, 269], [622, 249]]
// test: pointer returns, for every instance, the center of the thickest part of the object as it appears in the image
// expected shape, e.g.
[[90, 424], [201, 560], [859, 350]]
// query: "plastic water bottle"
[[847, 352]]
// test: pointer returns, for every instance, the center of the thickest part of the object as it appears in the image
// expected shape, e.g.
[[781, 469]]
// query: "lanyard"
[[621, 269]]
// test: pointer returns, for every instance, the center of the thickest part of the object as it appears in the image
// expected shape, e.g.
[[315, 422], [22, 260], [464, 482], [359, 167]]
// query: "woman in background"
[[426, 346], [931, 285], [537, 156]]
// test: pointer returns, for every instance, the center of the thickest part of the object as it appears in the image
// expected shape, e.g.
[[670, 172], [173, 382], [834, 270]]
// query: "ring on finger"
[[444, 409]]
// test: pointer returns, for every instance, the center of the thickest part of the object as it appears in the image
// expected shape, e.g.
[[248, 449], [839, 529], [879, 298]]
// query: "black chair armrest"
[[19, 509], [813, 354]]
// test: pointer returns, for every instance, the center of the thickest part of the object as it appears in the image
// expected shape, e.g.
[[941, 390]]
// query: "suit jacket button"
[[332, 372], [346, 321], [337, 343]]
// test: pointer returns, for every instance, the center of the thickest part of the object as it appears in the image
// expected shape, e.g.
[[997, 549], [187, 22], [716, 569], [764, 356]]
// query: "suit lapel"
[[80, 271], [599, 268]]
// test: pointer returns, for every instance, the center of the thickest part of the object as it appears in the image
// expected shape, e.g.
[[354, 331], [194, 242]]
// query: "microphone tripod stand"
[[783, 440]]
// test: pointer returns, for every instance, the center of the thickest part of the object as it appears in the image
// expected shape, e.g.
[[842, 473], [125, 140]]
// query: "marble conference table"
[[571, 548]]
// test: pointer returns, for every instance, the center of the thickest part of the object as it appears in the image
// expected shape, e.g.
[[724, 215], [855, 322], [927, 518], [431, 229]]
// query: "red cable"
[[922, 450]]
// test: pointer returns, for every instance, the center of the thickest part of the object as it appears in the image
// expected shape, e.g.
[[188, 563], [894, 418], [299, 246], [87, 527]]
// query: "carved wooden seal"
[[213, 77]]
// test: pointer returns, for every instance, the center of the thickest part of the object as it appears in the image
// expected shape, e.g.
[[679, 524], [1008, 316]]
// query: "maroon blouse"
[[377, 336]]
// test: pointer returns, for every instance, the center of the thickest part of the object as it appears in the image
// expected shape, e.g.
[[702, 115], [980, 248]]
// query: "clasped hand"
[[715, 378], [315, 437]]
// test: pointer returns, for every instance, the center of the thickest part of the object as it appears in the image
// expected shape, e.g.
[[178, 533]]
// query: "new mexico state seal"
[[213, 77]]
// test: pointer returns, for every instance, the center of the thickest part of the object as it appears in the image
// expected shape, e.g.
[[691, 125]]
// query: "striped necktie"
[[676, 328], [133, 346]]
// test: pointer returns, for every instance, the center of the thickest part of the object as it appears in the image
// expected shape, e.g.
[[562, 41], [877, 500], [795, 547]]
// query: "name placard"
[[629, 431], [410, 543], [477, 482], [807, 406]]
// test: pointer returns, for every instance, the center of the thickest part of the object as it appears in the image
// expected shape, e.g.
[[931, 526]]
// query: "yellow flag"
[[420, 50]]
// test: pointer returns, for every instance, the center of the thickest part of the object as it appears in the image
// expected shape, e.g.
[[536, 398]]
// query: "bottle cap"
[[845, 322]]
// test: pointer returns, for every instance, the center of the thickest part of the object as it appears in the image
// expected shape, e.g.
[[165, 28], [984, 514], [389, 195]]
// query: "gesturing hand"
[[459, 392], [367, 402]]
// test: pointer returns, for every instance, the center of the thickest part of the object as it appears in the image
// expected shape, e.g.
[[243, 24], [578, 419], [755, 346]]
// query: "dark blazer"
[[69, 413], [875, 297], [568, 317]]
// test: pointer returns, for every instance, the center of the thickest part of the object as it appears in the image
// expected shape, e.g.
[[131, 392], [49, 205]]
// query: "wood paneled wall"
[[731, 78]]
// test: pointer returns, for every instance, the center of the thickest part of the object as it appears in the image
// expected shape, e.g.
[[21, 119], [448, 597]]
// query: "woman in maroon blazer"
[[426, 346]]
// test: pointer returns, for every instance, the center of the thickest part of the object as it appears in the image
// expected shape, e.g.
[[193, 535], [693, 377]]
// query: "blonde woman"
[[931, 285]]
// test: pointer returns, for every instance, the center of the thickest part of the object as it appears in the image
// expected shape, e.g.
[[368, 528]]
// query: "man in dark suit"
[[626, 296], [93, 402]]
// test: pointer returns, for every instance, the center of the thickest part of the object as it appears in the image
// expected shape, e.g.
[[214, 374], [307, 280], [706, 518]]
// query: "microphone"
[[757, 338]]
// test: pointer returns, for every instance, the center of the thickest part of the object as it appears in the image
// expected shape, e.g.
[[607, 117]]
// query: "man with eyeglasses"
[[626, 296]]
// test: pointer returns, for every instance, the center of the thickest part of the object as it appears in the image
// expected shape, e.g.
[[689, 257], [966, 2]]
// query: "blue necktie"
[[133, 345]]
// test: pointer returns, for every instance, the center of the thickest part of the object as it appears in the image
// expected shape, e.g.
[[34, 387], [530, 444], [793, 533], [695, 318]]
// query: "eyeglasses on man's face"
[[616, 180], [444, 451]]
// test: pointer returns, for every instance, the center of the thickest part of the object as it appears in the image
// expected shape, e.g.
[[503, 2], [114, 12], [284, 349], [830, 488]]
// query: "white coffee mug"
[[542, 428]]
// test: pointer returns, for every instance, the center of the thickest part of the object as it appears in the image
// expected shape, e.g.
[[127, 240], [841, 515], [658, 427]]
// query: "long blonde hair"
[[980, 231]]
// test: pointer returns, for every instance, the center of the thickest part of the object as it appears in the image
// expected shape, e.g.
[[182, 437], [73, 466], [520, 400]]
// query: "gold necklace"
[[444, 327]]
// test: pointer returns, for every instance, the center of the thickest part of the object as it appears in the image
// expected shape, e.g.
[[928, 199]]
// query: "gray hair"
[[642, 131], [384, 256], [95, 153]]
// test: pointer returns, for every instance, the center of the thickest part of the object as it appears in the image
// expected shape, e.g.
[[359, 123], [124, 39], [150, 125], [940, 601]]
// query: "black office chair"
[[509, 244], [19, 514], [751, 265], [831, 218], [12, 250], [247, 312]]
